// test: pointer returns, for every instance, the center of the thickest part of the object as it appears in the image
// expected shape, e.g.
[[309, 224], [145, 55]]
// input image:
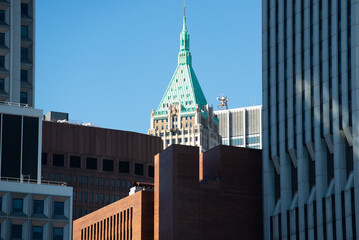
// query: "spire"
[[184, 35], [184, 18]]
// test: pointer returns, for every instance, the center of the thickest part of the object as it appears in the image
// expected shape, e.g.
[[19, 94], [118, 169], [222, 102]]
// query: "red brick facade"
[[226, 204], [69, 150], [129, 218]]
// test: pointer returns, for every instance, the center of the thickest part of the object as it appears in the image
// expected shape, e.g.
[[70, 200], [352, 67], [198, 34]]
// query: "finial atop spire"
[[184, 8]]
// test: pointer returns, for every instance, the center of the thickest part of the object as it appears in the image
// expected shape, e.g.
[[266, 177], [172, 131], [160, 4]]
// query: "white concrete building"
[[17, 51], [241, 127], [29, 207], [310, 119]]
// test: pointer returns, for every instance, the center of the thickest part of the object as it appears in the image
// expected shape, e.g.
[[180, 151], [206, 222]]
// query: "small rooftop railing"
[[14, 104], [32, 181]]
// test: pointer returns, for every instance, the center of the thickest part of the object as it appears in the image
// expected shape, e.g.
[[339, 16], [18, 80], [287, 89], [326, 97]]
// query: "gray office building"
[[241, 127], [17, 41], [310, 119]]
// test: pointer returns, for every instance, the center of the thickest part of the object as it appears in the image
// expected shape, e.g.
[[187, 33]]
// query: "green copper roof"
[[184, 87]]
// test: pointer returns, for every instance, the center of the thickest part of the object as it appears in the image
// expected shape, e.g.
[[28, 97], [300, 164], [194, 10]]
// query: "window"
[[96, 198], [107, 165], [69, 178], [44, 158], [90, 197], [91, 163], [37, 232], [24, 54], [2, 16], [96, 181], [86, 180], [107, 182], [180, 140], [80, 180], [2, 39], [2, 61], [59, 208], [17, 205], [24, 9], [139, 169], [58, 233], [24, 31], [91, 180], [124, 167], [75, 179], [16, 232], [80, 196], [58, 160], [102, 182], [75, 196], [151, 171], [119, 183], [75, 162], [2, 84], [107, 199], [39, 206]]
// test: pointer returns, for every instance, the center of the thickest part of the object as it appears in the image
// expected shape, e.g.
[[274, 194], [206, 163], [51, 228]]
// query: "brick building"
[[214, 196], [128, 218], [98, 163]]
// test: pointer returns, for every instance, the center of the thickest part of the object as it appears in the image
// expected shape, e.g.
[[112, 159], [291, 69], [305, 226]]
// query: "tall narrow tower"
[[184, 116]]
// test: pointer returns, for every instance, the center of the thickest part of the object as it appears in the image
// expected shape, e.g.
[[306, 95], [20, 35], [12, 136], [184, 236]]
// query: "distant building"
[[184, 116], [241, 127], [128, 218], [17, 51], [29, 207], [98, 163]]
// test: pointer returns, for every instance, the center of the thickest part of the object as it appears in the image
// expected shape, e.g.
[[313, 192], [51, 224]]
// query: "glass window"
[[75, 196], [75, 179], [113, 183], [90, 198], [80, 180], [124, 167], [124, 183], [107, 165], [86, 181], [58, 159], [2, 84], [75, 162], [151, 171], [119, 183], [2, 16], [102, 182], [37, 232], [16, 232], [91, 163], [58, 233], [139, 169], [17, 204], [91, 180], [24, 9], [80, 196], [96, 181], [39, 206], [24, 31], [2, 61], [107, 199], [2, 39], [85, 197], [102, 198], [24, 54], [107, 182], [69, 178], [96, 197], [59, 208]]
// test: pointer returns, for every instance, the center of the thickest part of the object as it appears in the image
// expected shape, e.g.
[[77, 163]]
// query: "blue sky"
[[109, 62]]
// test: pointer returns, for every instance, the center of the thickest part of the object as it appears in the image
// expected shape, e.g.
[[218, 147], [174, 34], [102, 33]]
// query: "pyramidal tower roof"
[[184, 87]]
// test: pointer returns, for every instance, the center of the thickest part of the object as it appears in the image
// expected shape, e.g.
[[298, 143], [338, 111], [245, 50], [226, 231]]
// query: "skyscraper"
[[184, 116], [310, 119], [17, 35]]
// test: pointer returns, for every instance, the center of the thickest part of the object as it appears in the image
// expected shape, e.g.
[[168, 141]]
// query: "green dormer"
[[184, 87]]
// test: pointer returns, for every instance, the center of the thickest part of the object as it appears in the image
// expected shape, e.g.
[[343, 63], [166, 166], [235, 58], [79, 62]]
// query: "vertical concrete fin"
[[348, 134], [293, 156], [329, 141], [310, 147]]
